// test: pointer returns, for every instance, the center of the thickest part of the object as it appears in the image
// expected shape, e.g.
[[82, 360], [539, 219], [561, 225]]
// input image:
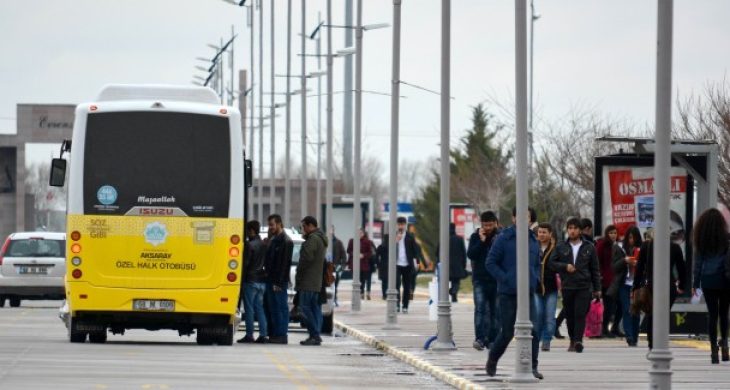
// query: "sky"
[[588, 55]]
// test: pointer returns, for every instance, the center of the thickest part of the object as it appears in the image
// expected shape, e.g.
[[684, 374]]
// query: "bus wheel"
[[15, 302], [204, 336], [97, 337], [226, 334], [74, 335]]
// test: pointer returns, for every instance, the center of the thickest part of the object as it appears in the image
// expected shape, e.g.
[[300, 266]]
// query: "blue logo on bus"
[[107, 195], [155, 233]]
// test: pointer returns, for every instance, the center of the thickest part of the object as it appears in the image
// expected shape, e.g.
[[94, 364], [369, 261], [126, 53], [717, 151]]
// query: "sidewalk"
[[605, 363]]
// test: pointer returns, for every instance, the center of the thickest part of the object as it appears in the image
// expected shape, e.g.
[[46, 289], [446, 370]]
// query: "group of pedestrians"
[[266, 279]]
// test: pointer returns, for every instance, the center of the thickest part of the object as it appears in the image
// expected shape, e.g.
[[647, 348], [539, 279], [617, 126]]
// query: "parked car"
[[32, 266], [328, 309]]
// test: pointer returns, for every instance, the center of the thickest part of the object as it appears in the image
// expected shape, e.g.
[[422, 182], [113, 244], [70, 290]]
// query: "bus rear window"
[[157, 163]]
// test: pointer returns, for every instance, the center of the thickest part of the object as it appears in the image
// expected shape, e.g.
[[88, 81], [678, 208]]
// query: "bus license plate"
[[153, 305], [39, 270]]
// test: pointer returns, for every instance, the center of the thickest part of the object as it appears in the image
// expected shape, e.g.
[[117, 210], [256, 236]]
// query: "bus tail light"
[[76, 248], [235, 239], [76, 273], [75, 235], [234, 252], [93, 107], [231, 277], [76, 261], [5, 248]]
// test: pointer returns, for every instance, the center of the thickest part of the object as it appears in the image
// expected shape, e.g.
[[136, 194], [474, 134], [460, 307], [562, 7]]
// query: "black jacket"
[[477, 253], [587, 273], [548, 284], [278, 260], [645, 266], [255, 256], [413, 251], [339, 256], [457, 256]]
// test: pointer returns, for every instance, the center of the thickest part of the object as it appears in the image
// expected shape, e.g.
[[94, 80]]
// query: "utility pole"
[[272, 111], [357, 217], [287, 169], [330, 132], [303, 173], [318, 207], [347, 101], [252, 126], [261, 112]]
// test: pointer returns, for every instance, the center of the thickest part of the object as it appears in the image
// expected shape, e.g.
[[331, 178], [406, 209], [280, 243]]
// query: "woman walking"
[[366, 251], [624, 268], [604, 250], [710, 240]]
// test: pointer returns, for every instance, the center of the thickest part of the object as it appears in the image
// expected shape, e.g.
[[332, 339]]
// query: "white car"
[[32, 266], [328, 309]]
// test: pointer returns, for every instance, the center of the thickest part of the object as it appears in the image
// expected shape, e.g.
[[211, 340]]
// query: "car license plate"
[[33, 270], [153, 305]]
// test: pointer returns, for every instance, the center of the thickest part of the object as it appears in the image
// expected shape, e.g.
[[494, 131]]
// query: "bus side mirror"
[[248, 173], [58, 172]]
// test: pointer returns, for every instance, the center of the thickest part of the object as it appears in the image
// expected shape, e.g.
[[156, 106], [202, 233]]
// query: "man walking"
[[546, 295], [277, 267], [457, 261], [406, 262], [308, 281], [339, 259], [254, 283], [580, 275], [486, 324], [502, 265]]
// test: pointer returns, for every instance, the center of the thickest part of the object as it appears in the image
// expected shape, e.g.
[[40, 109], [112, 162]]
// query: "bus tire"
[[225, 337], [15, 302], [328, 323], [204, 336], [97, 337], [75, 336]]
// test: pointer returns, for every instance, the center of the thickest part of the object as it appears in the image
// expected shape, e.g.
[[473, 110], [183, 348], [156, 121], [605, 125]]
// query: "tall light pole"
[[318, 204], [523, 326], [533, 17], [272, 163], [330, 132], [261, 113], [357, 217], [660, 356], [391, 318], [253, 101], [347, 102], [444, 339], [287, 169], [303, 173]]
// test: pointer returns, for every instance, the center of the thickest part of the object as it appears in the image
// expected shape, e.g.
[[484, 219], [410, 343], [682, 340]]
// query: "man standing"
[[254, 283], [546, 295], [586, 230], [277, 267], [308, 281], [580, 274], [339, 259], [484, 285], [457, 261], [406, 261], [502, 265]]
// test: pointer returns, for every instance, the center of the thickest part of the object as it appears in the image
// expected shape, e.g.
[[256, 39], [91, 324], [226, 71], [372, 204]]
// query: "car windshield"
[[36, 247]]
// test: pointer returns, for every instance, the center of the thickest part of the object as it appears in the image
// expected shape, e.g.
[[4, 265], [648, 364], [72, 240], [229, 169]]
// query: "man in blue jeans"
[[254, 283], [308, 283], [546, 294], [486, 324], [278, 266], [502, 265]]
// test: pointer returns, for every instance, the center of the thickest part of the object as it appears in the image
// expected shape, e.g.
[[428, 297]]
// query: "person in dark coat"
[[309, 278], [382, 253], [604, 250], [339, 259], [546, 293], [254, 284], [457, 261], [624, 269], [365, 271], [486, 316], [645, 273], [278, 267]]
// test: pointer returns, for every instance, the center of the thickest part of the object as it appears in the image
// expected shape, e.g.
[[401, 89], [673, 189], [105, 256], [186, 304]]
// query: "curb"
[[420, 364]]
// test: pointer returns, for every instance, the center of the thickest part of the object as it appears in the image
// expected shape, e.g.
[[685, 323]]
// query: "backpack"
[[328, 274]]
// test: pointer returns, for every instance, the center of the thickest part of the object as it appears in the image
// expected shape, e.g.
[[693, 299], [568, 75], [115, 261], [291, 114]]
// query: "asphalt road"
[[35, 354]]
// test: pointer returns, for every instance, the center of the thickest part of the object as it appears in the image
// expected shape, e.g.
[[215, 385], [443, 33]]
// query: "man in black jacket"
[[486, 320], [278, 267], [254, 283], [580, 275], [406, 256], [457, 261]]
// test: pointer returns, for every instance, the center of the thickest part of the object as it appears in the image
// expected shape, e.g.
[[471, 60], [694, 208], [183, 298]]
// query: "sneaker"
[[537, 374], [278, 340], [262, 340], [405, 310], [578, 347], [491, 367], [246, 340], [478, 345], [310, 341]]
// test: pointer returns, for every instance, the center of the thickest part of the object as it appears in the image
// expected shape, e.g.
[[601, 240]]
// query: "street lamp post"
[[272, 163], [444, 338], [391, 318], [330, 171], [287, 169], [303, 172], [660, 356], [261, 114], [253, 101], [523, 326]]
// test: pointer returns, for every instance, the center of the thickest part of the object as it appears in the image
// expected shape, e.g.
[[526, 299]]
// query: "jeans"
[[486, 313], [366, 278], [576, 304], [403, 276], [278, 308], [311, 312], [630, 321], [718, 303], [545, 306], [253, 303], [508, 310]]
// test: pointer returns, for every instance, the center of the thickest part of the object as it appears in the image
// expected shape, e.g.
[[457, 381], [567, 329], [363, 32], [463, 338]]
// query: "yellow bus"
[[155, 214]]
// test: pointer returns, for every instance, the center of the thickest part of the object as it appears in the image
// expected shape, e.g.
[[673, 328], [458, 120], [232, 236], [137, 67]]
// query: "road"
[[35, 354]]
